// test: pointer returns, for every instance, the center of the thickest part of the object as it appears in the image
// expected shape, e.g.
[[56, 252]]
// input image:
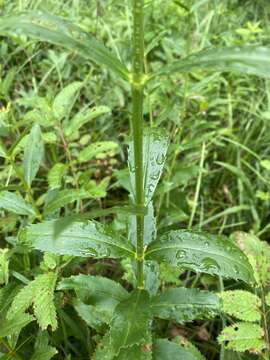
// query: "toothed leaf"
[[78, 239], [201, 252], [243, 337], [130, 322], [155, 145], [182, 304], [40, 293], [241, 304]]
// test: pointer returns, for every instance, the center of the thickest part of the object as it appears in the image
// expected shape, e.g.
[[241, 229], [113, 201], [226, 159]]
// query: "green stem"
[[137, 126]]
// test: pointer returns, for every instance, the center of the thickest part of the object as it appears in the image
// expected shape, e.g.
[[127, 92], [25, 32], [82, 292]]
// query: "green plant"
[[99, 300]]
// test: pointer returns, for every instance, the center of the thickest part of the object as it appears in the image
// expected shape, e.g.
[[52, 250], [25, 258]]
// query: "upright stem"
[[137, 127]]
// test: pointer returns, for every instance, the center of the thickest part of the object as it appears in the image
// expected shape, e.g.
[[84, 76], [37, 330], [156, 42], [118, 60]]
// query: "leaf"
[[138, 352], [258, 253], [93, 316], [55, 175], [33, 154], [3, 153], [267, 299], [131, 320], [78, 239], [104, 349], [43, 351], [39, 292], [181, 305], [64, 198], [246, 59], [15, 203], [243, 336], [167, 350], [98, 149], [96, 290], [201, 252], [155, 145], [14, 325], [64, 100], [83, 117], [184, 343], [150, 230], [241, 304], [58, 31], [4, 263], [265, 164]]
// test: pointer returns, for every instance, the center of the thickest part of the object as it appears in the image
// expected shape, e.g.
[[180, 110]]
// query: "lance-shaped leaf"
[[15, 203], [201, 252], [131, 320], [183, 304], [150, 229], [246, 59], [167, 350], [188, 346], [83, 117], [78, 239], [243, 336], [155, 145], [99, 291], [63, 102], [33, 154], [55, 30]]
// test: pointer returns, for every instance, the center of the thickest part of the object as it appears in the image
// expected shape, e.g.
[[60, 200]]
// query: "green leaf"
[[150, 230], [4, 263], [15, 203], [98, 149], [241, 304], [201, 252], [243, 336], [138, 352], [99, 291], [39, 292], [246, 59], [33, 154], [155, 145], [64, 198], [3, 153], [55, 175], [78, 239], [258, 253], [267, 299], [93, 316], [83, 117], [43, 351], [64, 100], [188, 346], [104, 349], [265, 164], [14, 325], [167, 350], [181, 305], [131, 320], [58, 31]]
